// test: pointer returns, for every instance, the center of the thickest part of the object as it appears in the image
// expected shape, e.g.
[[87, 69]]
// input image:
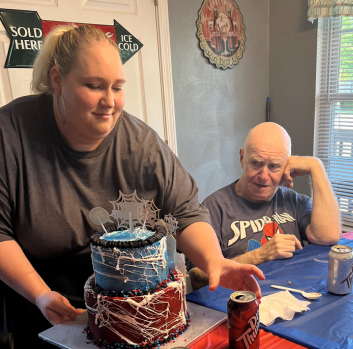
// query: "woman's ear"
[[55, 80]]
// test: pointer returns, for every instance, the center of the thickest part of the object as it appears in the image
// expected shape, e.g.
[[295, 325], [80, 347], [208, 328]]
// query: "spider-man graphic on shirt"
[[270, 229]]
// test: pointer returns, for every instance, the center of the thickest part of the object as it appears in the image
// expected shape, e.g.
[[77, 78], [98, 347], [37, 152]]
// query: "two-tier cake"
[[136, 297]]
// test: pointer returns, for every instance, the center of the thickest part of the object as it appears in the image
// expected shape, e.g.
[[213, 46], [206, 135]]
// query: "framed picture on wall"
[[221, 31]]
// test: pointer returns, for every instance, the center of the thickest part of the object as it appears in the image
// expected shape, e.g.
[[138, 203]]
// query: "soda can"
[[243, 320], [340, 269]]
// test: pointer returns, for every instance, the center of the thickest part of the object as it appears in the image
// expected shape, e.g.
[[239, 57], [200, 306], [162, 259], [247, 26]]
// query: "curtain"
[[329, 8], [333, 140]]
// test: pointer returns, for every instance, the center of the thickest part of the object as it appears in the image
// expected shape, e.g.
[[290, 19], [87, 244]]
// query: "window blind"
[[333, 139]]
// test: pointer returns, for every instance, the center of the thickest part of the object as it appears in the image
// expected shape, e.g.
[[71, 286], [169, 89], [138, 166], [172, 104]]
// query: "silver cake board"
[[71, 335]]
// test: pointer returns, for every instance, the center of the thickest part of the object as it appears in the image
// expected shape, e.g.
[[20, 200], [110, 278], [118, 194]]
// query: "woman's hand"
[[56, 308], [18, 273], [235, 276]]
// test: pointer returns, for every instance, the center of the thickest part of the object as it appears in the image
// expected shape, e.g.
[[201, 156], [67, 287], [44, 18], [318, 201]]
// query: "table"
[[218, 339], [328, 324], [70, 334]]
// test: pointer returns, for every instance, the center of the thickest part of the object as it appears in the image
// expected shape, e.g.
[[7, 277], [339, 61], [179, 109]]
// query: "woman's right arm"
[[17, 272]]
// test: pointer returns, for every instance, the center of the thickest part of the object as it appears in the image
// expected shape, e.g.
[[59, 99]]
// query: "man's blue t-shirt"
[[242, 226]]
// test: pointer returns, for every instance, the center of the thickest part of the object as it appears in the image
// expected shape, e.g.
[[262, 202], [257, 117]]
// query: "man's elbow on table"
[[330, 237], [198, 278]]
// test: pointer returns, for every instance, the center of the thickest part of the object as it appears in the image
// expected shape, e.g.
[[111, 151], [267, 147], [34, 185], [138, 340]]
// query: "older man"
[[257, 220]]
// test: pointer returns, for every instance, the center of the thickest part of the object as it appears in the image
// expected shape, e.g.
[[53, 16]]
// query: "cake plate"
[[70, 335]]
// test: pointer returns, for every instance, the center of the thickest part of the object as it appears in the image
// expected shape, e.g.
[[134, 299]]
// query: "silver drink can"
[[340, 269]]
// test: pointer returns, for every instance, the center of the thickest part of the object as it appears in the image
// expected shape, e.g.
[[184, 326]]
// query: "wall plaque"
[[221, 31]]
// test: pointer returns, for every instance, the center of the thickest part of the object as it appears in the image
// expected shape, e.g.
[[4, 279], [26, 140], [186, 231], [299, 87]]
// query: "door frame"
[[165, 66], [163, 37]]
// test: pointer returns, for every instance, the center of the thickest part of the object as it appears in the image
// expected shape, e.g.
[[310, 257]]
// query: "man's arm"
[[279, 247], [199, 243], [325, 225]]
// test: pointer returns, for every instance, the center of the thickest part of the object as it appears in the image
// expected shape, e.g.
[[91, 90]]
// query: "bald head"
[[263, 158], [269, 135]]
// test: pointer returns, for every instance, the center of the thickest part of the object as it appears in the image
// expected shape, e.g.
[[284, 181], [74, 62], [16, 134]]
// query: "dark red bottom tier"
[[141, 320]]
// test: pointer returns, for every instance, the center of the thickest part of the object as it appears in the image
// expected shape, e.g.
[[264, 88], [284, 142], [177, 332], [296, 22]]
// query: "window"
[[333, 142]]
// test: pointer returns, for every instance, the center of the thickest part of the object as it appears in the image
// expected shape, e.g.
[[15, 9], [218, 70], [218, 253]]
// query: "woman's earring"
[[60, 117]]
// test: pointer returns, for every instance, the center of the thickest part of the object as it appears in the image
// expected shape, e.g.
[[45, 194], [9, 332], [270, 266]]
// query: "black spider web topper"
[[142, 213]]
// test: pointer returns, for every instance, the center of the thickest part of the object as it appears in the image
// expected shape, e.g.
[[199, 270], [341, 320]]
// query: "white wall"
[[293, 41], [215, 108]]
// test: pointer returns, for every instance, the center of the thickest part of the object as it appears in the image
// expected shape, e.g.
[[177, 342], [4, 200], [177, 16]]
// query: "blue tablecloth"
[[328, 324]]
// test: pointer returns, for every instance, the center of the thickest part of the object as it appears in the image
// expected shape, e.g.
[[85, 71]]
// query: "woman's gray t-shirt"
[[47, 189]]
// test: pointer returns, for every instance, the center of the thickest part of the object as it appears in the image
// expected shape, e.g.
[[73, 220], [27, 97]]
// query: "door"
[[143, 81]]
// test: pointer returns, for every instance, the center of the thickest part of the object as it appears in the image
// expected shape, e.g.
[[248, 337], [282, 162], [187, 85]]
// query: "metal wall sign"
[[221, 31], [27, 31]]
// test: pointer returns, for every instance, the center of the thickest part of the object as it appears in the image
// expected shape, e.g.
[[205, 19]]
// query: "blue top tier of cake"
[[123, 261], [125, 235]]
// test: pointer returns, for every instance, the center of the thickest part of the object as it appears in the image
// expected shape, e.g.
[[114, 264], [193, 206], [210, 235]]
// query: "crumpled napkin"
[[281, 304]]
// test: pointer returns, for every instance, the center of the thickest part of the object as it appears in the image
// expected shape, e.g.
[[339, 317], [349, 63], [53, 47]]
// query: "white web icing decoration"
[[149, 317], [134, 263]]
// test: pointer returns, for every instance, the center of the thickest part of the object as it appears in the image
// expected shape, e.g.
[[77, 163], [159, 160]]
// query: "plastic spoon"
[[309, 295]]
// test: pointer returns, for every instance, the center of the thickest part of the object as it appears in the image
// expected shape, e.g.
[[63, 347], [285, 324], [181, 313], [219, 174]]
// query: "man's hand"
[[297, 166], [235, 276], [280, 246], [56, 308]]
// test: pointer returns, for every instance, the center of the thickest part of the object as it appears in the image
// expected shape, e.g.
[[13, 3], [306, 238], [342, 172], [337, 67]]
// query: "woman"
[[66, 150]]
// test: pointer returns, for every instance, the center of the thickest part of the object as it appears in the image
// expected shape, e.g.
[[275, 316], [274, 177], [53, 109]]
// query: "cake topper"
[[130, 211], [99, 216], [172, 223]]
